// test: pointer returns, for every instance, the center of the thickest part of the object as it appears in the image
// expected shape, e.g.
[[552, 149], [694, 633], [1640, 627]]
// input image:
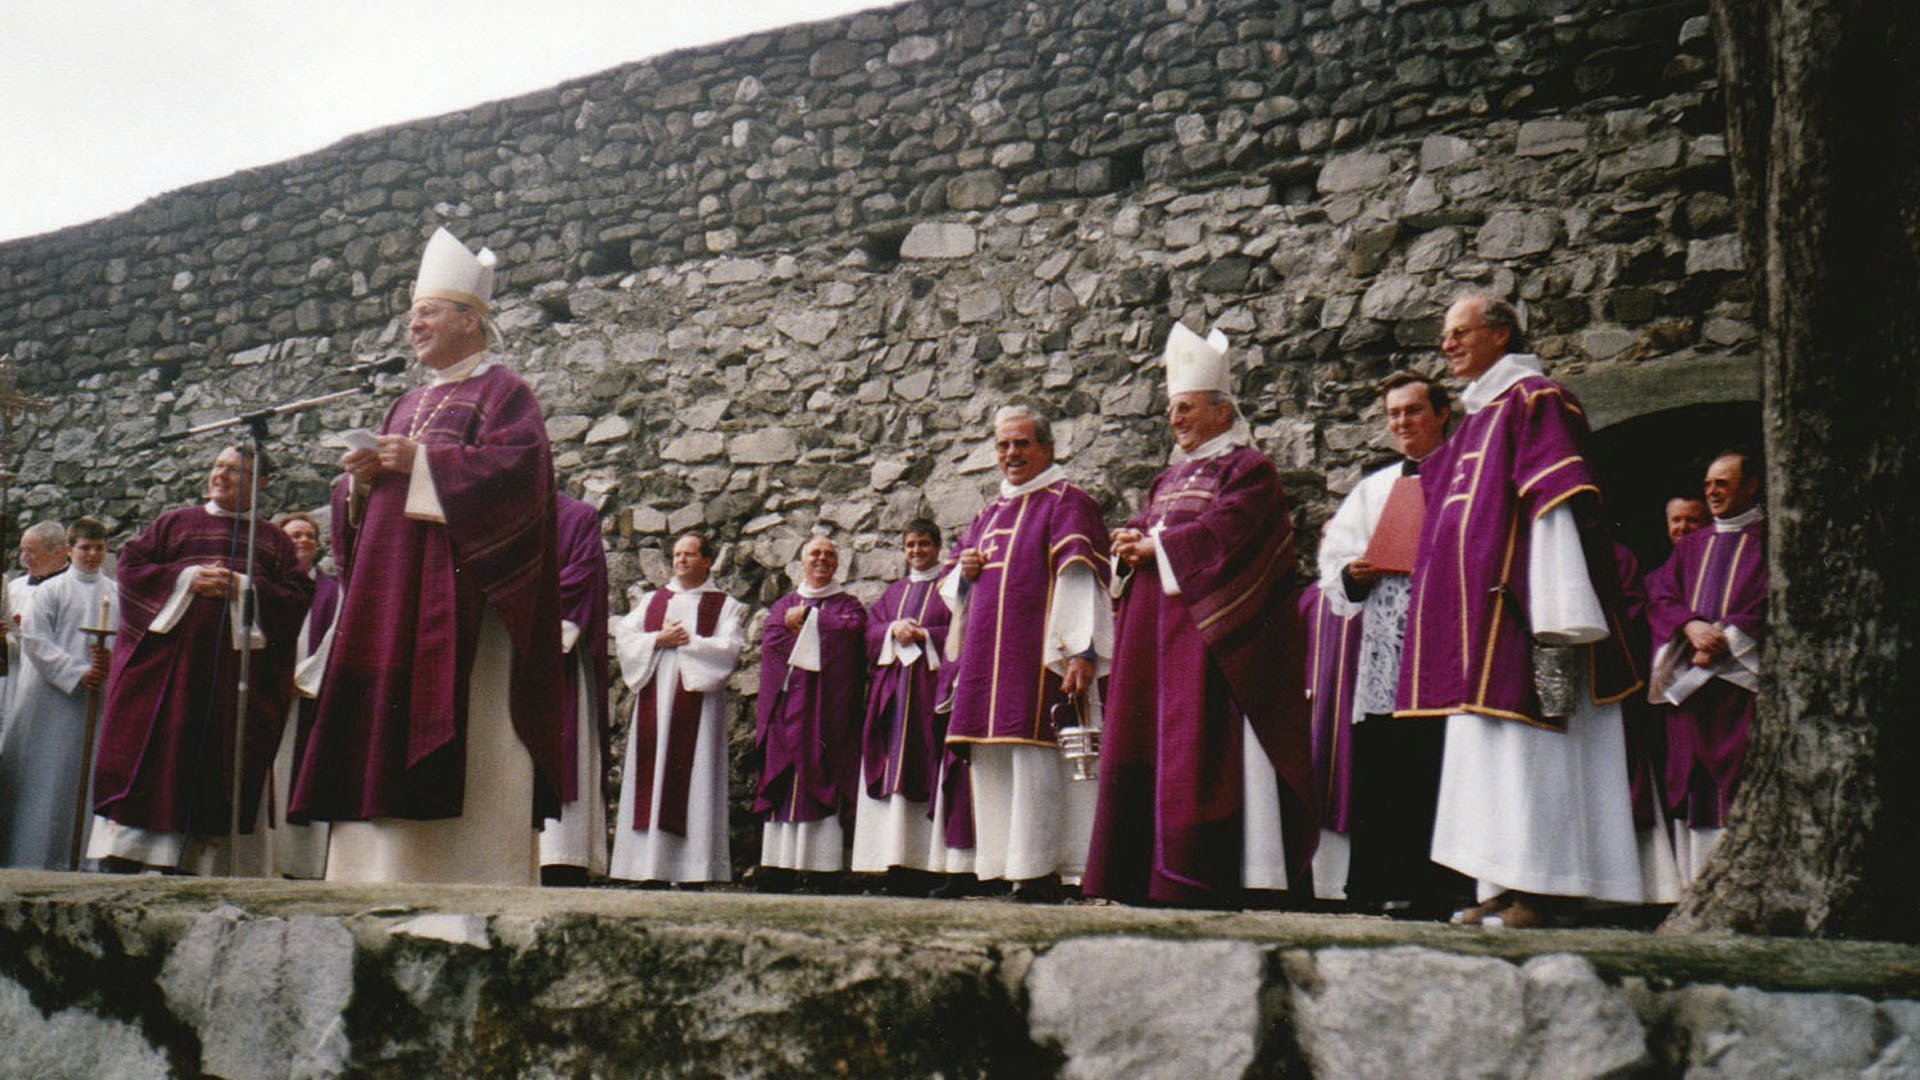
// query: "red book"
[[1397, 538]]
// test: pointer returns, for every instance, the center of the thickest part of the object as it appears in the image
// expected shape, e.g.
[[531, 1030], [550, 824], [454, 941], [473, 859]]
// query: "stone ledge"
[[155, 977]]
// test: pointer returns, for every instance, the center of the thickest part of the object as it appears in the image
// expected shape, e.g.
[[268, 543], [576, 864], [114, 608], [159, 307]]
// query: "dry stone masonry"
[[779, 284], [157, 978]]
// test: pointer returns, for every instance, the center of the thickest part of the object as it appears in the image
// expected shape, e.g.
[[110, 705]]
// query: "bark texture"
[[1823, 108]]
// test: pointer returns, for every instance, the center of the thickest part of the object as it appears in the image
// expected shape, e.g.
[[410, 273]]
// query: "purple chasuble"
[[1468, 647], [390, 737], [1333, 661], [1718, 577], [903, 740], [583, 602], [165, 756], [807, 723], [1186, 668], [1002, 692]]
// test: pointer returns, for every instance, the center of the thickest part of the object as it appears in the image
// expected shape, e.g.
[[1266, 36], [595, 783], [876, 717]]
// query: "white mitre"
[[1196, 363], [448, 271]]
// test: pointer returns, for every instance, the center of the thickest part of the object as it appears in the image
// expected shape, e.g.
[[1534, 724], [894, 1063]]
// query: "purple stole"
[[1333, 660], [167, 726], [1469, 646], [1002, 693], [583, 602], [683, 724], [389, 739], [902, 745], [807, 724], [1719, 577]]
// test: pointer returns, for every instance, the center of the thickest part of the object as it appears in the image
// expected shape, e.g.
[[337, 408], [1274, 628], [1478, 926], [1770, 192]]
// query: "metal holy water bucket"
[[1079, 743], [1556, 677]]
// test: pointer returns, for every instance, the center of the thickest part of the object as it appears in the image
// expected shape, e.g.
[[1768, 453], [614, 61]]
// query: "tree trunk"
[[1823, 118]]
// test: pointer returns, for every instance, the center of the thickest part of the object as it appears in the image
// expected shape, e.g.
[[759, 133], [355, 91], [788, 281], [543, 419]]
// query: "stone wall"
[[778, 284], [144, 979]]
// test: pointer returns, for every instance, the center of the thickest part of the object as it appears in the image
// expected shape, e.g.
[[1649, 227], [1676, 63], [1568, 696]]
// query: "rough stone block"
[[1354, 172], [939, 240], [1744, 1033], [809, 327], [768, 446], [1578, 1027], [567, 426], [913, 49], [1718, 254], [1664, 154], [694, 446], [72, 1044], [1450, 1013], [266, 995], [608, 429], [1513, 233], [977, 190], [980, 304], [1539, 138], [1134, 1007], [1440, 151]]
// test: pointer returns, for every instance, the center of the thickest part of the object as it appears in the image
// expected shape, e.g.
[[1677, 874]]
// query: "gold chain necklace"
[[418, 425]]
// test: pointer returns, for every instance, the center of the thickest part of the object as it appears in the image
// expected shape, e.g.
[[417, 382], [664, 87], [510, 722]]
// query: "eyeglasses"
[[1459, 332]]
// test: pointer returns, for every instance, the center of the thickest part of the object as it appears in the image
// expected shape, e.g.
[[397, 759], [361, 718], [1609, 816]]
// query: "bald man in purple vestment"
[[436, 749], [163, 773], [1206, 770], [807, 722], [1514, 563], [1707, 609], [1033, 630]]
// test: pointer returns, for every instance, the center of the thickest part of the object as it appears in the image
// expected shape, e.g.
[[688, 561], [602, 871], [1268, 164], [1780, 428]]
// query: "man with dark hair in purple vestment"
[[1395, 782], [807, 722], [163, 772], [1033, 630], [575, 845], [1707, 609], [1206, 762], [437, 747], [1332, 655], [904, 740], [1516, 574]]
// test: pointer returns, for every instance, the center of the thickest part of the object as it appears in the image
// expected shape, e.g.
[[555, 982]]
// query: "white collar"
[[214, 509], [928, 574], [1229, 439], [1738, 521], [1495, 381], [462, 369], [1048, 475], [706, 584], [808, 592], [78, 574]]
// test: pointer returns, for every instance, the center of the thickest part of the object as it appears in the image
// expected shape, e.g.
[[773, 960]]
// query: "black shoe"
[[564, 876], [773, 879], [905, 881], [954, 887], [1040, 890]]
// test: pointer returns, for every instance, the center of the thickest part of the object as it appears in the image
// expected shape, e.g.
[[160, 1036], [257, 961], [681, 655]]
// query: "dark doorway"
[[1649, 459]]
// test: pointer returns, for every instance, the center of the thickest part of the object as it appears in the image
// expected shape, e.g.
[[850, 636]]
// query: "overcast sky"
[[104, 103]]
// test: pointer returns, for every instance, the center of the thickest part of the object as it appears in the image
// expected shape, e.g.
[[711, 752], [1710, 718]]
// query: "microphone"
[[385, 366]]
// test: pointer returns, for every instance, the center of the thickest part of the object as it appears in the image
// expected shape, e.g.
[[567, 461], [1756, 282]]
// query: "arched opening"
[[1645, 460]]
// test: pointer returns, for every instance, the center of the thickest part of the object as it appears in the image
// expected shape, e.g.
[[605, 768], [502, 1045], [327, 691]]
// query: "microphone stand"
[[255, 423]]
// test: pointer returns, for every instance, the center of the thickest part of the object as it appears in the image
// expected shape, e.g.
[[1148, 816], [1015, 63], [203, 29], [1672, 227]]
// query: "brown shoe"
[[1484, 910], [1530, 912]]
